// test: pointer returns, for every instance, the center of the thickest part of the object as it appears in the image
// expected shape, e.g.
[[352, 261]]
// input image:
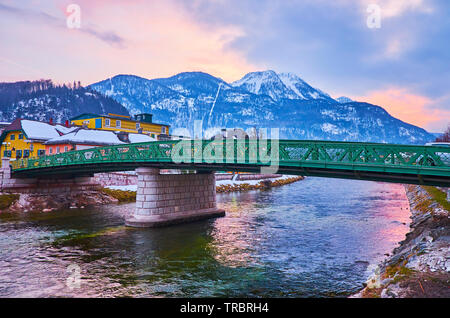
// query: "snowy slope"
[[42, 100], [344, 99], [279, 86]]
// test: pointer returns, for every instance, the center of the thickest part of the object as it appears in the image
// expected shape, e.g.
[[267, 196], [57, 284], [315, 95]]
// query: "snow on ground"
[[218, 182], [251, 182], [131, 187]]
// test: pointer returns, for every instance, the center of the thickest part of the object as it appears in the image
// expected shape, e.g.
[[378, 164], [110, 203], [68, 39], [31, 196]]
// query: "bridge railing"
[[339, 155]]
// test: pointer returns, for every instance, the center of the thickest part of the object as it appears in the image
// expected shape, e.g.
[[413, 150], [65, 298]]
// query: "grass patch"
[[7, 199], [122, 196], [398, 272], [438, 196]]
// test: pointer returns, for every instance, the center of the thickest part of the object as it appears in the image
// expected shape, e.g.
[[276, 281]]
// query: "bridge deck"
[[428, 165]]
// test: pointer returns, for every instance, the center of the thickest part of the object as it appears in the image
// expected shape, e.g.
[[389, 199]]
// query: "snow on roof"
[[87, 136], [135, 138], [38, 130], [65, 130]]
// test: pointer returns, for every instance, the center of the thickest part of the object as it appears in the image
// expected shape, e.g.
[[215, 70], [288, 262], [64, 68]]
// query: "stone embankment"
[[420, 266], [259, 185]]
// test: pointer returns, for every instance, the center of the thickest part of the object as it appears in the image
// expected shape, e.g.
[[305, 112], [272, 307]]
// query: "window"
[[86, 122], [18, 154], [26, 153], [50, 150], [66, 148], [107, 122], [7, 153], [12, 137], [118, 123], [20, 136], [57, 149], [153, 135], [41, 153], [163, 130], [138, 125]]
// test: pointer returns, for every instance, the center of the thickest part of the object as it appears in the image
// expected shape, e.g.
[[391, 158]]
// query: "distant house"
[[141, 123], [80, 139], [3, 125], [25, 138]]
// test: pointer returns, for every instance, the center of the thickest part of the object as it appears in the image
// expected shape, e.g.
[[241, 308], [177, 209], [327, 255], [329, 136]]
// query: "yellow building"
[[25, 138], [141, 123]]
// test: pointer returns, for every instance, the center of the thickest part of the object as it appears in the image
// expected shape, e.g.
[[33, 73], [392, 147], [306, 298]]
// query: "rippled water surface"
[[316, 237]]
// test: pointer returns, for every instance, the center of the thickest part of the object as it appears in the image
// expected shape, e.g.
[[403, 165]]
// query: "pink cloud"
[[409, 107], [145, 38]]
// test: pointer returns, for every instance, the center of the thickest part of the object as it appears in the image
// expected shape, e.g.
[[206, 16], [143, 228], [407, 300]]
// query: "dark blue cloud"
[[330, 45]]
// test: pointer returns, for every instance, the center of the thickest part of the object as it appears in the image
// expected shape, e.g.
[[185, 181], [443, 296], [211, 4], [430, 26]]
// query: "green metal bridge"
[[427, 165]]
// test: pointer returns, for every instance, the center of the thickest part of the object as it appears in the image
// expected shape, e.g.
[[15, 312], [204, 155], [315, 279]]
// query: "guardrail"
[[433, 160]]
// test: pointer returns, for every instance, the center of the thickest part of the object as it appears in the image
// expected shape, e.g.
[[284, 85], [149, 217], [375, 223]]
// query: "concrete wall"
[[171, 193], [173, 198], [115, 179]]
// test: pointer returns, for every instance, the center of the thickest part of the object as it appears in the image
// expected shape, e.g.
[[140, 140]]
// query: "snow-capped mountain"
[[279, 86], [186, 97], [344, 99], [258, 100]]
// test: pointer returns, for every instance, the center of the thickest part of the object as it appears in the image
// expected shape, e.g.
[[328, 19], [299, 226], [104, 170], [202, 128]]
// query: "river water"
[[316, 237]]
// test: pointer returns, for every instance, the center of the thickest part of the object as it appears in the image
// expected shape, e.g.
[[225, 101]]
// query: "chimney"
[[50, 121], [67, 124]]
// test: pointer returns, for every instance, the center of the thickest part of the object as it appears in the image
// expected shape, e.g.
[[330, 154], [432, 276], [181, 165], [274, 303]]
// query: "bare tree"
[[445, 137]]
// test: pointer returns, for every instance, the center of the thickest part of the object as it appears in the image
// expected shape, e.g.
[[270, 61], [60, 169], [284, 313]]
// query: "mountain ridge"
[[258, 99]]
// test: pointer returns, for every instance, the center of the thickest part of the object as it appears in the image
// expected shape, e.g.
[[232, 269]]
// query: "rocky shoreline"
[[420, 265], [26, 202]]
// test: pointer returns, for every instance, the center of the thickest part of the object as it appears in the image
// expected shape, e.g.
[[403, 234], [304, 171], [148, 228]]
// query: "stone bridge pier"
[[164, 199]]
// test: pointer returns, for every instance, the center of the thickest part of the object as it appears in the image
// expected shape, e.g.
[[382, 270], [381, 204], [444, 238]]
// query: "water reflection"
[[312, 238]]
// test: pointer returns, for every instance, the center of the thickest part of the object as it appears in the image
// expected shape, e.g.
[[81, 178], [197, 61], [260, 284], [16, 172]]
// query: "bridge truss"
[[428, 165]]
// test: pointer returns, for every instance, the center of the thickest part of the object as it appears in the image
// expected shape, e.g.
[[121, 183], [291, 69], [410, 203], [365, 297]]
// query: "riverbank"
[[26, 202], [420, 266]]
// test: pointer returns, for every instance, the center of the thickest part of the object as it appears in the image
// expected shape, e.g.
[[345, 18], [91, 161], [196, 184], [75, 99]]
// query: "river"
[[313, 238]]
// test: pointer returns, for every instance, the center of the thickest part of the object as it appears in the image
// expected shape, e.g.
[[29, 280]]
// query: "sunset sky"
[[403, 66]]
